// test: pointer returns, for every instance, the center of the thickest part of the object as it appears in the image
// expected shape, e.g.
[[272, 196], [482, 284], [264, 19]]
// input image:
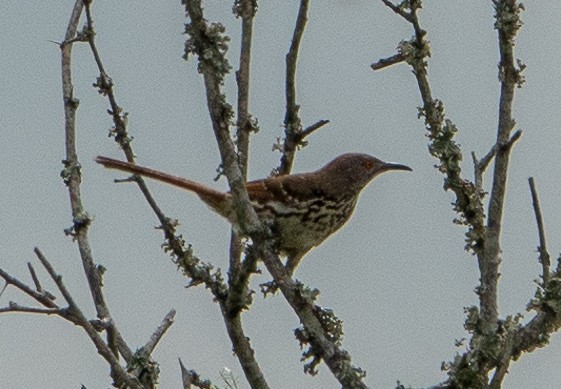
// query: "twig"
[[75, 315], [37, 283], [191, 378], [441, 132], [3, 289], [245, 9], [186, 376], [214, 66], [105, 87], [542, 248], [14, 307], [292, 141], [72, 175], [72, 178], [167, 322], [292, 122], [191, 265], [38, 286], [481, 166], [387, 62], [484, 232], [398, 10], [41, 298]]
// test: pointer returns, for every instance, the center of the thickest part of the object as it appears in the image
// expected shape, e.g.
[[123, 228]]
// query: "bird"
[[303, 209]]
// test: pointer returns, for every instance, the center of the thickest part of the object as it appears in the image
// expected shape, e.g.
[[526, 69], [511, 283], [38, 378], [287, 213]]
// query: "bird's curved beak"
[[394, 166]]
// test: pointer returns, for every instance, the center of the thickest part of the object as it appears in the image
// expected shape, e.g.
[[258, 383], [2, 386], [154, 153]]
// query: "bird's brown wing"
[[283, 188]]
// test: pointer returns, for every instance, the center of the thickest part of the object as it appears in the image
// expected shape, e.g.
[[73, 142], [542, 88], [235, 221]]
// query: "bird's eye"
[[368, 164]]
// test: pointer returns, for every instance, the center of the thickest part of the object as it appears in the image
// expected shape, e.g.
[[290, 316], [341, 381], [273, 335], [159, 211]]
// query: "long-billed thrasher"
[[305, 209]]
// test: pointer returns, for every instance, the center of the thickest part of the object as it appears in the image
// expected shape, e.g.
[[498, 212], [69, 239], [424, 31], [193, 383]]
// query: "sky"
[[396, 274]]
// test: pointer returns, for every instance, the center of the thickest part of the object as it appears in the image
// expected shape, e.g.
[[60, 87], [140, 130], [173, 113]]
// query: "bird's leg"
[[291, 264]]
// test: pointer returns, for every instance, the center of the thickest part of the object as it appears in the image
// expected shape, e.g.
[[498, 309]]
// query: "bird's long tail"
[[210, 196]]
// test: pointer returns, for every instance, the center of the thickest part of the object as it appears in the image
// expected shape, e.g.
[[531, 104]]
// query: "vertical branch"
[[544, 254], [293, 132], [208, 43], [246, 10], [71, 173], [72, 178], [292, 123], [244, 352], [507, 23], [240, 296]]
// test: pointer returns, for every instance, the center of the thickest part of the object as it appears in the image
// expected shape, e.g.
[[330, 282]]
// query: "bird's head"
[[353, 171]]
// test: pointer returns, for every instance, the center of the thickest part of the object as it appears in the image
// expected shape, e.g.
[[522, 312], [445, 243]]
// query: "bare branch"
[[191, 378], [38, 286], [481, 166], [81, 220], [292, 122], [41, 298], [74, 314], [167, 322], [244, 352], [314, 332], [239, 296], [294, 140], [441, 131], [213, 73], [186, 376], [246, 9], [507, 15], [14, 307], [310, 129], [191, 265], [72, 175], [542, 248], [399, 9], [3, 289], [387, 62], [104, 84]]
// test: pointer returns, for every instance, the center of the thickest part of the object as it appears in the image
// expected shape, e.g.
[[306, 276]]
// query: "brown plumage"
[[305, 209]]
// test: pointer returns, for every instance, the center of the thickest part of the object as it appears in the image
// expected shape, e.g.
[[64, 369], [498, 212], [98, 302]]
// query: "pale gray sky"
[[396, 274]]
